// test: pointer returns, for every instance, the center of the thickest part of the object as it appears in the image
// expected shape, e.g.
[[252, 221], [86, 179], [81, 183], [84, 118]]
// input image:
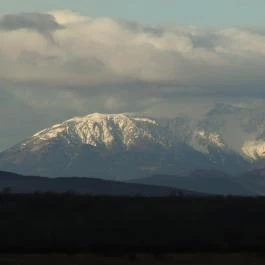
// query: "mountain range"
[[229, 139]]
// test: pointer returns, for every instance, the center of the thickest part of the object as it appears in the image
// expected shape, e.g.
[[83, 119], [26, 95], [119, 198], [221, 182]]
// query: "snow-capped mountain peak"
[[125, 130], [101, 129], [109, 144]]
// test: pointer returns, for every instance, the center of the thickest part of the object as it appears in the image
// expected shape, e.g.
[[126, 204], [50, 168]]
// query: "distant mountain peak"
[[125, 145], [100, 116], [221, 108], [101, 129]]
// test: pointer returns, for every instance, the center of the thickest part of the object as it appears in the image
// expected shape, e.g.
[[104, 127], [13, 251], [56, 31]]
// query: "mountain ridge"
[[125, 146], [208, 182], [15, 183]]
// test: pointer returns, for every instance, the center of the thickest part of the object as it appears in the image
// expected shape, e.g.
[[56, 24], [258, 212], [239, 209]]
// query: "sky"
[[61, 59], [191, 12]]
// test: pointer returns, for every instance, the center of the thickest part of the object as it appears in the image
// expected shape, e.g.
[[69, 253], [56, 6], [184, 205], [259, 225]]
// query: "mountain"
[[125, 146], [210, 182], [254, 180], [241, 128], [10, 182]]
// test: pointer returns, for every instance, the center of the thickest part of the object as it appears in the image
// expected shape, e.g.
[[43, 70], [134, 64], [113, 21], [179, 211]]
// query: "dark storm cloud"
[[44, 24]]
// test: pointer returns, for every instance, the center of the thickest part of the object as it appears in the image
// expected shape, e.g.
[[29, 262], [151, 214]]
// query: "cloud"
[[115, 104], [109, 65], [44, 24], [104, 52]]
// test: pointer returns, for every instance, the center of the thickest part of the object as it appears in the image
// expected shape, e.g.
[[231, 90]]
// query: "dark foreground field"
[[178, 259], [123, 226]]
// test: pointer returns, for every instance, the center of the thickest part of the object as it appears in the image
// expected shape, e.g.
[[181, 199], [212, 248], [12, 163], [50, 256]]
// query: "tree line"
[[70, 222]]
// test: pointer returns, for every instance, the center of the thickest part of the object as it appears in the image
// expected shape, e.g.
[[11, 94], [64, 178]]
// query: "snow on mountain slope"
[[125, 131], [254, 149], [128, 145], [212, 138], [241, 129], [102, 130]]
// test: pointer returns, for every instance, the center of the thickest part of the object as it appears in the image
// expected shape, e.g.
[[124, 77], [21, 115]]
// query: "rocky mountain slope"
[[126, 146]]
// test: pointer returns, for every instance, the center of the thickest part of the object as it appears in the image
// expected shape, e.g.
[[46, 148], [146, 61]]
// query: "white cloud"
[[66, 64], [68, 17], [104, 51]]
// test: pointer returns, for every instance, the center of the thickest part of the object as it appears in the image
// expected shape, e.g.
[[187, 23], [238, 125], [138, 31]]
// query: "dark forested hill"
[[30, 184]]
